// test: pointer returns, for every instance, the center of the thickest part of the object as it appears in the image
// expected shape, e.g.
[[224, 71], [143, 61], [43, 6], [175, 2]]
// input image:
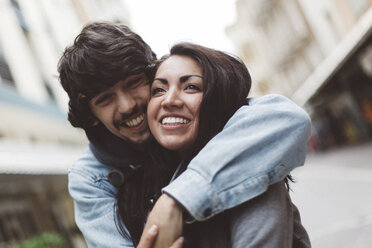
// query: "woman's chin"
[[172, 146], [176, 146]]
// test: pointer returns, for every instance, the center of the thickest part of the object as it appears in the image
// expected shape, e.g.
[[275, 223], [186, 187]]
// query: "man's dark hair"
[[101, 55]]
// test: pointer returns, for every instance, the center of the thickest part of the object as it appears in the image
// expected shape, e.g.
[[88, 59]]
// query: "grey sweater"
[[270, 220]]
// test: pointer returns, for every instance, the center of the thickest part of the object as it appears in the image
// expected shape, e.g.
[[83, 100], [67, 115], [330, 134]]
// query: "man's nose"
[[126, 103], [172, 99]]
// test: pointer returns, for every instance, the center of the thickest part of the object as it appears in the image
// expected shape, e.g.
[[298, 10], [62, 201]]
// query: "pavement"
[[333, 192]]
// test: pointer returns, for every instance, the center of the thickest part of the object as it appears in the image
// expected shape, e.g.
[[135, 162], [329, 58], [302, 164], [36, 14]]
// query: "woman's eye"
[[193, 87], [157, 91]]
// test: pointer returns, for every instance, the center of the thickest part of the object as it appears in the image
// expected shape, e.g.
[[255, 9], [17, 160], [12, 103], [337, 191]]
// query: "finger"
[[178, 243], [148, 238]]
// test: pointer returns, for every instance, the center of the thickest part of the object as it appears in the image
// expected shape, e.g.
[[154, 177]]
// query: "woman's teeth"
[[174, 120]]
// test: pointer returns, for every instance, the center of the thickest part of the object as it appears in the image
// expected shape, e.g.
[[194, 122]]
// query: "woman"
[[194, 93]]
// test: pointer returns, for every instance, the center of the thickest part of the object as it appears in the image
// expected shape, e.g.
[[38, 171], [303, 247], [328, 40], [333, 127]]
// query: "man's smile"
[[133, 122]]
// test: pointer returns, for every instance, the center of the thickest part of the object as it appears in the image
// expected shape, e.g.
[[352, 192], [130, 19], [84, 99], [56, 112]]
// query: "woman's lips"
[[170, 120], [173, 122]]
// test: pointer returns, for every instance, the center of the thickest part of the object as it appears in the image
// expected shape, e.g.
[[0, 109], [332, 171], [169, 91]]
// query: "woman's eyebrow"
[[182, 78], [162, 80], [186, 77]]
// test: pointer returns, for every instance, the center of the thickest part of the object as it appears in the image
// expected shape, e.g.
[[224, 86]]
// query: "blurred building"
[[33, 192], [35, 136], [33, 34], [317, 52]]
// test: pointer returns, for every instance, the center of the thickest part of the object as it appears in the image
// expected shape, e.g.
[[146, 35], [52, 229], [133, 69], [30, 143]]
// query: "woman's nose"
[[172, 99]]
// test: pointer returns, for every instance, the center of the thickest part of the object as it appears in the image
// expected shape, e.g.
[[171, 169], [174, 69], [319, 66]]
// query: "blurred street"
[[334, 195]]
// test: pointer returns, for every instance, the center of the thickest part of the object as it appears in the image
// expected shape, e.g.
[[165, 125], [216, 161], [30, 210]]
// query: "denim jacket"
[[260, 144]]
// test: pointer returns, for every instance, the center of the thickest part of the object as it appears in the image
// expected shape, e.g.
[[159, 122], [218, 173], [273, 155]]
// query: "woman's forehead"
[[178, 65]]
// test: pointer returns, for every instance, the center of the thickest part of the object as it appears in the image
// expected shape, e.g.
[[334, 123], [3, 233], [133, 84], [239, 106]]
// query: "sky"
[[162, 23]]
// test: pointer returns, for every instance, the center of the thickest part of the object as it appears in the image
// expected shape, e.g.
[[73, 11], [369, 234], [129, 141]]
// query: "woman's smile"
[[174, 123]]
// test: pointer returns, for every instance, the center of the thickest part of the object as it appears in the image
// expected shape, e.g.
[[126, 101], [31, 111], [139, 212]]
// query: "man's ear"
[[95, 123]]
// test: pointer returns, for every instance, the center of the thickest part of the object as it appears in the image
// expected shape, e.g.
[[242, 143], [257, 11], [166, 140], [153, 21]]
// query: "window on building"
[[19, 15], [50, 92], [5, 74], [26, 31]]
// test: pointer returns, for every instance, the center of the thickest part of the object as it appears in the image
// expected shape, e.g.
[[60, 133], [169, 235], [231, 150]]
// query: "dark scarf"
[[114, 151]]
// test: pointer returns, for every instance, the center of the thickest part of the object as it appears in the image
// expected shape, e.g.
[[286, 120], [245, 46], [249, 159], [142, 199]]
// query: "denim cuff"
[[195, 194]]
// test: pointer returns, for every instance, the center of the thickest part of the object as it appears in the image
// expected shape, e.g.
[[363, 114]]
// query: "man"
[[106, 74]]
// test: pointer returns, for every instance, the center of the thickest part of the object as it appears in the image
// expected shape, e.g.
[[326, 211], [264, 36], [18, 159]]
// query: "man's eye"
[[103, 100], [136, 82], [157, 91], [132, 84]]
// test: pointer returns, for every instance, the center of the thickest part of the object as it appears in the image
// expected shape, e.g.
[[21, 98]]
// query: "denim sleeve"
[[259, 146], [94, 202]]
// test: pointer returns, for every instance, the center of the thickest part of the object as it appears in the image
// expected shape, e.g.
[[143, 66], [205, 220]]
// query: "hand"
[[148, 238], [167, 216]]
